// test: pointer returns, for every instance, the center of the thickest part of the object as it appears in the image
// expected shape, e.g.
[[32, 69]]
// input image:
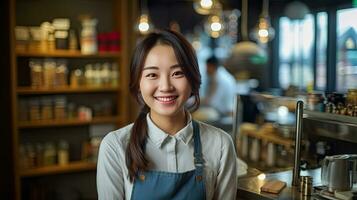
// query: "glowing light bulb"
[[216, 26], [263, 33], [143, 27], [206, 4]]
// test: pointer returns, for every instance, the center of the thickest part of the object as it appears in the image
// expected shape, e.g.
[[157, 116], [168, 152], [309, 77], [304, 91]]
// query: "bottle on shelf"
[[89, 75], [49, 71], [61, 73], [49, 154], [105, 74], [73, 41], [89, 36], [61, 26], [60, 107], [36, 73], [63, 152], [46, 108], [34, 111], [77, 78], [114, 75]]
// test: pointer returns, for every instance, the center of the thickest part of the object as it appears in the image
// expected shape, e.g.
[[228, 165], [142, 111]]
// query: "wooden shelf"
[[66, 54], [59, 169], [64, 90], [67, 122]]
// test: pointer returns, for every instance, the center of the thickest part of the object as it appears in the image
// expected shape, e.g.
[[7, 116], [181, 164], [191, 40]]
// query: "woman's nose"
[[165, 84]]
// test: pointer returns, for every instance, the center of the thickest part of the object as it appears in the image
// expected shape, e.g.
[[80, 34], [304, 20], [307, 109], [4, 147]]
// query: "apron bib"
[[157, 185]]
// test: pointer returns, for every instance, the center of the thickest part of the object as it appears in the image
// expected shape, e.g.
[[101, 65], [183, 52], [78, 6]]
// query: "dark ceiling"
[[162, 12]]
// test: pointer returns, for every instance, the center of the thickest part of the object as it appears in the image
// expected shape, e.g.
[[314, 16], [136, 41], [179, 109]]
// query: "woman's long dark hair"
[[135, 152]]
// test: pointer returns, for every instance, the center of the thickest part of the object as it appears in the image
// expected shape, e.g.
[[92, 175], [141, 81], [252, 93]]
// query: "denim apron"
[[156, 185]]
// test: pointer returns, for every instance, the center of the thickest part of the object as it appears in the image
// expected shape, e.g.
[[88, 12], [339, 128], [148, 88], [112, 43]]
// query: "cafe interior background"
[[65, 72]]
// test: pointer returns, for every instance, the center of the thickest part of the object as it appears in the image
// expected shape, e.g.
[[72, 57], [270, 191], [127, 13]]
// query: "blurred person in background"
[[220, 88]]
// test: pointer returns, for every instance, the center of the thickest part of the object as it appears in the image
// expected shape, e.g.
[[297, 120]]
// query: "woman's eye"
[[178, 74], [151, 75]]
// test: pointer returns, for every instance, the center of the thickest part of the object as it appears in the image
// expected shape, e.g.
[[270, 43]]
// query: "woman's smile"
[[167, 100]]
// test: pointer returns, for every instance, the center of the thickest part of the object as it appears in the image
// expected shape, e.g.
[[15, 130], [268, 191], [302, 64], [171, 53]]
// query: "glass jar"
[[46, 108], [60, 107], [63, 152], [89, 36], [49, 70], [49, 154], [61, 74], [114, 75], [89, 75], [34, 111], [36, 73], [76, 78]]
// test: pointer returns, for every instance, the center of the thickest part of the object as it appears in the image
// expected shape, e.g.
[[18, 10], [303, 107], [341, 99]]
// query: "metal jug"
[[338, 172]]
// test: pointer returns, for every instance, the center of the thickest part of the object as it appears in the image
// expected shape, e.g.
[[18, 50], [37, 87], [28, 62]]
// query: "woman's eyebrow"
[[150, 67], [155, 67], [176, 66]]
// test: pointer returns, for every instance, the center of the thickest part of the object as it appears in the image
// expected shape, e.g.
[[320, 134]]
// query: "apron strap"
[[198, 160]]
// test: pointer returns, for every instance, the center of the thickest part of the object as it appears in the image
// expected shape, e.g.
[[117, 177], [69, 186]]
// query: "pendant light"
[[214, 25], [207, 7], [296, 10], [246, 55], [144, 25], [263, 32]]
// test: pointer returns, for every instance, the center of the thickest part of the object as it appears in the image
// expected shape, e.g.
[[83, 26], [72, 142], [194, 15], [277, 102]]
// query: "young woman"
[[165, 154]]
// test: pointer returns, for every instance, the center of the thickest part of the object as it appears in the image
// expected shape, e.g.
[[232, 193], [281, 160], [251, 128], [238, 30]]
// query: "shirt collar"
[[158, 136]]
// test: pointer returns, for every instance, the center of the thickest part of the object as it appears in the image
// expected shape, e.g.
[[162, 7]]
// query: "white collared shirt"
[[170, 154]]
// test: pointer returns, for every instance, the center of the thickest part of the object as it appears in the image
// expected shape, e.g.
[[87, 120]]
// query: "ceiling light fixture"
[[144, 26], [263, 32], [214, 26], [207, 7]]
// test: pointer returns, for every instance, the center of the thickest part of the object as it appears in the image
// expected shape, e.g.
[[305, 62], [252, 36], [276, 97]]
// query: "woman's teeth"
[[166, 99]]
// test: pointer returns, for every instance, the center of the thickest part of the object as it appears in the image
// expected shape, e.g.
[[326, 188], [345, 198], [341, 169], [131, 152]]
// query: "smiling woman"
[[164, 87], [167, 155]]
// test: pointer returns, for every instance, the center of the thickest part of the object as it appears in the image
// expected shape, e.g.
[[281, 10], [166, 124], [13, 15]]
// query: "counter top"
[[249, 185]]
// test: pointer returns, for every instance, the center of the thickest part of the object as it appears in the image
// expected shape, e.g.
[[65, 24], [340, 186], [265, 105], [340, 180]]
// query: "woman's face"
[[163, 85]]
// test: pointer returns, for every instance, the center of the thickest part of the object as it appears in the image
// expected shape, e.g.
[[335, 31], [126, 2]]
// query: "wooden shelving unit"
[[68, 122], [65, 90], [71, 167], [113, 15], [66, 54]]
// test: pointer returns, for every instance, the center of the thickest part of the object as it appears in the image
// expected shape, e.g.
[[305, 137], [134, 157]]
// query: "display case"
[[265, 131], [328, 134]]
